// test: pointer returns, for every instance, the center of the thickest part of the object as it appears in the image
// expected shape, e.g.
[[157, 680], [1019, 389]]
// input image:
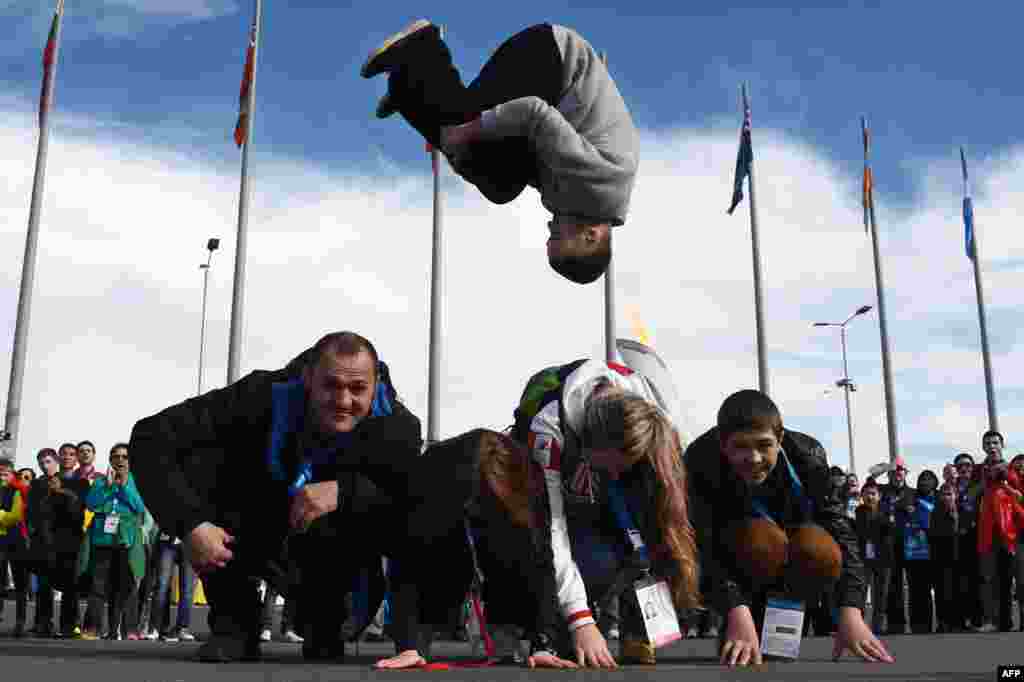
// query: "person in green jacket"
[[113, 541]]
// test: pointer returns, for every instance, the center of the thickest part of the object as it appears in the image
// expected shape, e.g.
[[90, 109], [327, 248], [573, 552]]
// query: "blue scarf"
[[289, 411], [757, 501]]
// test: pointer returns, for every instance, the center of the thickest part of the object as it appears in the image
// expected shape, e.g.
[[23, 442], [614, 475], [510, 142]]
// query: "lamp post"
[[211, 245], [845, 383]]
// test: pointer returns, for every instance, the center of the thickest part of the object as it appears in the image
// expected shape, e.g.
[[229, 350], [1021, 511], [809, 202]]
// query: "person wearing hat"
[[898, 502], [767, 519]]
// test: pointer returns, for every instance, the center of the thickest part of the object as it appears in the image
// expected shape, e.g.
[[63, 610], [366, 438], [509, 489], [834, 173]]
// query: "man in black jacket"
[[43, 525], [898, 500], [748, 462], [244, 472]]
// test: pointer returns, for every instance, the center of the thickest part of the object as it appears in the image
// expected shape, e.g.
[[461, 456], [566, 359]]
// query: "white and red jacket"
[[547, 441]]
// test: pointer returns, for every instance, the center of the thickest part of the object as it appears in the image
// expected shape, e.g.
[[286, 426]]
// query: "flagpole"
[[238, 294], [975, 256], [755, 241], [890, 408], [436, 298], [12, 418], [610, 351]]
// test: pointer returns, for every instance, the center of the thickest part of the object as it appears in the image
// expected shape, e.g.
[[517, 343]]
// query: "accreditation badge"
[[659, 613], [111, 523], [783, 628]]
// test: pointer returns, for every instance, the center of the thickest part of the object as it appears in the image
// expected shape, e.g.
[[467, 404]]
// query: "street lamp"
[[211, 245], [845, 382]]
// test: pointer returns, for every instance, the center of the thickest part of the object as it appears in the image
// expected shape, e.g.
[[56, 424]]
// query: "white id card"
[[111, 523], [783, 628], [659, 612], [869, 551]]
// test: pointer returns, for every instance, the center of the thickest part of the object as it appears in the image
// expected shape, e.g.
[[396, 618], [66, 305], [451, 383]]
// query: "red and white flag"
[[48, 54], [242, 126]]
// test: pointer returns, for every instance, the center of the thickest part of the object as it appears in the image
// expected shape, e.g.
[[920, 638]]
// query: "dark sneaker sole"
[[375, 63], [386, 107]]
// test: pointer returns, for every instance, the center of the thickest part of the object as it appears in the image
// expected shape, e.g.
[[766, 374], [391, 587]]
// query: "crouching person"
[[766, 522], [615, 503], [464, 518], [241, 473]]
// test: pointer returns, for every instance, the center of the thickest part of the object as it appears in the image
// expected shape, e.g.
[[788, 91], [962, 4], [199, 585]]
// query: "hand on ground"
[[855, 636], [591, 648], [742, 645], [409, 658]]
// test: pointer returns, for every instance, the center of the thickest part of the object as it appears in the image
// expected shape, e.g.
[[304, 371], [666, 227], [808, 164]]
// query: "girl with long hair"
[[612, 458]]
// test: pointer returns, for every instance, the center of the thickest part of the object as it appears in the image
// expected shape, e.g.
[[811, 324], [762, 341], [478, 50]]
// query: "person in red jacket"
[[1000, 520], [1015, 479]]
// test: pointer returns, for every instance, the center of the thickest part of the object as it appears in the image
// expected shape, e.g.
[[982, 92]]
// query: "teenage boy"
[[749, 472]]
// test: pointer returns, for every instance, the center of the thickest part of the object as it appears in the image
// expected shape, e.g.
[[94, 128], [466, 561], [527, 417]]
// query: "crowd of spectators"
[[74, 535], [941, 556]]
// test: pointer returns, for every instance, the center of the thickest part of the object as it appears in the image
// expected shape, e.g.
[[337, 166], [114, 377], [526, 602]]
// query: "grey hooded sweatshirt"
[[587, 148]]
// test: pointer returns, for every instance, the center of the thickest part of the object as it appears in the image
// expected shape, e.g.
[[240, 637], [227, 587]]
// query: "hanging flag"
[[744, 157], [968, 210], [48, 52], [868, 198], [242, 126], [433, 159]]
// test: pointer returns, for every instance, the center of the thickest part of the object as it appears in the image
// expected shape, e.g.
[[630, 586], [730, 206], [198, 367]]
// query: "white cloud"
[[115, 321]]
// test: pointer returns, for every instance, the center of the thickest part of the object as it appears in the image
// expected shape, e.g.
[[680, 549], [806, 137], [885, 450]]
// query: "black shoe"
[[229, 649], [386, 57], [332, 653], [19, 631], [386, 107]]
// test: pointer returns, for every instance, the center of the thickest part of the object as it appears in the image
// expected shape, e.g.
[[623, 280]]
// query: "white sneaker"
[[185, 635], [292, 637], [986, 628], [265, 635], [152, 635]]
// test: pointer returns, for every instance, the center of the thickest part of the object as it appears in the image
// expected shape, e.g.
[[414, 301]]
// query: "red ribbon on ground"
[[488, 646]]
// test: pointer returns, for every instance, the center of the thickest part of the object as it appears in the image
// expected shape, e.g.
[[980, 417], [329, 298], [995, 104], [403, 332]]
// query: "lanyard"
[[796, 487], [624, 518], [924, 513]]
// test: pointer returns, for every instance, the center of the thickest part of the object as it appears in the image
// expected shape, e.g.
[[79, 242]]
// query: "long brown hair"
[[627, 422], [510, 477]]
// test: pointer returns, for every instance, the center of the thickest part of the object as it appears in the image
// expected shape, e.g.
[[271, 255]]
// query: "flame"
[[639, 328]]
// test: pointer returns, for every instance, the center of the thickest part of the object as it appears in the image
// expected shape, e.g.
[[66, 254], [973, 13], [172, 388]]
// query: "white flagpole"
[[883, 326], [610, 348], [436, 301], [975, 255], [12, 418], [755, 243], [238, 295]]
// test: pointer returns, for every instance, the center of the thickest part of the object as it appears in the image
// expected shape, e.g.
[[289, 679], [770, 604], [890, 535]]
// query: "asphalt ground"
[[965, 657]]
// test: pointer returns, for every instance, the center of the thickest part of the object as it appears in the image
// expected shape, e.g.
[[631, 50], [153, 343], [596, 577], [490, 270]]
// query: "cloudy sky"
[[142, 171]]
